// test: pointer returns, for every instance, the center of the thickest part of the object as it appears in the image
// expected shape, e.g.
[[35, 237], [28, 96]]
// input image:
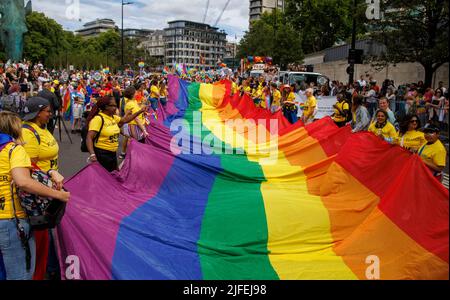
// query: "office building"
[[94, 28], [258, 7], [194, 44]]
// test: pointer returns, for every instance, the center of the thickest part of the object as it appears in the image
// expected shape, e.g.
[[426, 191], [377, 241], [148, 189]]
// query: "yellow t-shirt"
[[247, 89], [134, 107], [46, 152], [19, 159], [310, 106], [109, 136], [234, 88], [388, 131], [435, 153], [412, 140], [154, 91], [291, 97], [276, 98], [338, 117]]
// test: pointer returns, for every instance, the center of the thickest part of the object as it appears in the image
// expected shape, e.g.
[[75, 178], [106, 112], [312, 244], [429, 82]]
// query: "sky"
[[147, 14]]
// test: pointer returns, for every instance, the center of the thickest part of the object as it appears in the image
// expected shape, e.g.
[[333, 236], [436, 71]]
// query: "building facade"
[[194, 44], [141, 34], [95, 28], [154, 45], [258, 7]]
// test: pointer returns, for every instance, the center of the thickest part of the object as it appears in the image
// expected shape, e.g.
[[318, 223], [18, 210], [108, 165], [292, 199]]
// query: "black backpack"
[[84, 132]]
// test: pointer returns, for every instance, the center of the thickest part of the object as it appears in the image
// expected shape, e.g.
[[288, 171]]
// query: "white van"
[[286, 77]]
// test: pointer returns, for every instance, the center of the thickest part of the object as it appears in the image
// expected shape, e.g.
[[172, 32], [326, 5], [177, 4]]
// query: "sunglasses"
[[112, 105], [414, 121]]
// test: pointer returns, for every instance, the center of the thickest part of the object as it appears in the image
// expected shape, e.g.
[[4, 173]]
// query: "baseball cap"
[[431, 129], [33, 107]]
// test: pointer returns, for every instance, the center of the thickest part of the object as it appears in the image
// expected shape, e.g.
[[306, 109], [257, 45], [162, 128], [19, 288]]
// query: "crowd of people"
[[102, 107]]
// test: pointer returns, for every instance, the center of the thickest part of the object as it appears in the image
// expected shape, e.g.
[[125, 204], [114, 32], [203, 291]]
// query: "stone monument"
[[13, 27]]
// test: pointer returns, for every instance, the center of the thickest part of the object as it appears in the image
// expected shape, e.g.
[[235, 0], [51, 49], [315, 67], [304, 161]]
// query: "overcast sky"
[[148, 14]]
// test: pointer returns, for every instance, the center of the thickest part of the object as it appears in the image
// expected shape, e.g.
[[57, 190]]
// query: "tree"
[[272, 36], [44, 39], [322, 23], [415, 31]]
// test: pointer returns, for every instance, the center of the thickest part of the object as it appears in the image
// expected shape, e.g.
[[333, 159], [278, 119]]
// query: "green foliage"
[[272, 36], [46, 41], [415, 31], [322, 23]]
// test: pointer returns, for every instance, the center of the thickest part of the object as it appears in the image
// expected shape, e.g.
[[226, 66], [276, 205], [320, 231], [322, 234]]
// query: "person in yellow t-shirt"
[[383, 128], [154, 95], [163, 94], [102, 139], [290, 110], [409, 138], [341, 111], [276, 98], [43, 150], [15, 165], [136, 128], [245, 88], [309, 109], [234, 88], [433, 153], [39, 143]]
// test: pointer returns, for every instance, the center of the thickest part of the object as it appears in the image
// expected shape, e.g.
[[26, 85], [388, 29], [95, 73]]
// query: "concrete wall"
[[402, 73]]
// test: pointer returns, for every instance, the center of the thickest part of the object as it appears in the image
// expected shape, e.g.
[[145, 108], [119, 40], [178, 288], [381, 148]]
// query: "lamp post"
[[123, 4], [352, 64]]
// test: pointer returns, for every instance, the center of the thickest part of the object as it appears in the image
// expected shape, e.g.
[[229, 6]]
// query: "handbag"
[[42, 212]]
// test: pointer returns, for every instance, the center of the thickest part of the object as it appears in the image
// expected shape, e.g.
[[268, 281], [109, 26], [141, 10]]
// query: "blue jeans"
[[163, 101], [14, 255], [154, 103]]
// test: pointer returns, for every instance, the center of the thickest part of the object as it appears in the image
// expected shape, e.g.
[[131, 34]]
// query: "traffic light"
[[355, 56]]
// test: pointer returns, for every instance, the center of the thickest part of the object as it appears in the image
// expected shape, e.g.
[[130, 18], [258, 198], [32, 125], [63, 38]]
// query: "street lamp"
[[123, 4], [351, 69]]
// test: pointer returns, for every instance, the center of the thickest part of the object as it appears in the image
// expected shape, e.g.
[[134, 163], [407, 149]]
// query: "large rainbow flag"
[[215, 199]]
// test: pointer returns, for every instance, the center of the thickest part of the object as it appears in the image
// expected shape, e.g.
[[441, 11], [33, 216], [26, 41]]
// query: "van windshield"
[[303, 78]]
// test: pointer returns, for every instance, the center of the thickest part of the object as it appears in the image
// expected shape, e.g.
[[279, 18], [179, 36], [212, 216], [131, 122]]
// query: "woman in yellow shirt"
[[43, 150], [290, 110], [383, 128], [154, 95], [276, 98], [104, 129], [309, 110], [409, 137], [15, 165]]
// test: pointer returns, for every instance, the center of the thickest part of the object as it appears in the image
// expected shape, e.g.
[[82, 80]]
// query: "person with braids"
[[410, 138], [383, 128], [104, 130]]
